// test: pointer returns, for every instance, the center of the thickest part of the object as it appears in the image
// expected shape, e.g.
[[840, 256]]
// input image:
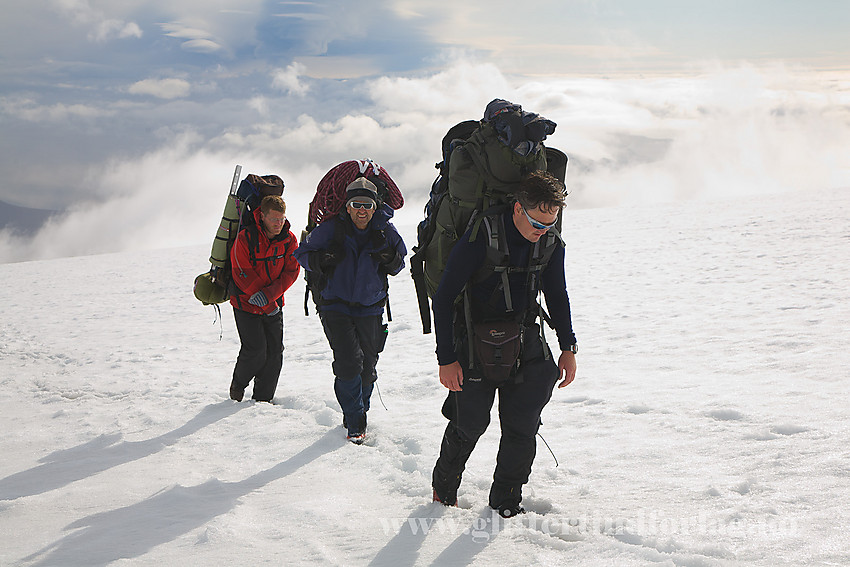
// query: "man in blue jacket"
[[350, 256]]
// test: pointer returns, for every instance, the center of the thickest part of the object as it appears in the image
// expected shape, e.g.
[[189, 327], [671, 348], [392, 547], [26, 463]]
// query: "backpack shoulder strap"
[[253, 238]]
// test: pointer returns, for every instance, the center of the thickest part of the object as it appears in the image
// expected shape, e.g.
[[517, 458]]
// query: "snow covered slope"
[[708, 424]]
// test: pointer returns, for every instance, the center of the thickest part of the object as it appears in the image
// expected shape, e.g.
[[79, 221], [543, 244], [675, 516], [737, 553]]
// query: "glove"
[[385, 256], [389, 260], [273, 313], [259, 299], [327, 259]]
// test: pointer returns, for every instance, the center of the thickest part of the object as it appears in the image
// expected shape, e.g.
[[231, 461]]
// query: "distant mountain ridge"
[[23, 220]]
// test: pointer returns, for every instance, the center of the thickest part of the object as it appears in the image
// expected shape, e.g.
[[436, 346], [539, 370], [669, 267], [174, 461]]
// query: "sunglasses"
[[360, 205], [537, 225]]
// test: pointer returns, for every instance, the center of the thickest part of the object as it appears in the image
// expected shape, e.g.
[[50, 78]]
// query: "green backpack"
[[213, 287], [478, 175]]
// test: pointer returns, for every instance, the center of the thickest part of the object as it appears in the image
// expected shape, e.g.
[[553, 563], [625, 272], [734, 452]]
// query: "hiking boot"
[[357, 438], [510, 509], [446, 499], [445, 488], [506, 499], [236, 393]]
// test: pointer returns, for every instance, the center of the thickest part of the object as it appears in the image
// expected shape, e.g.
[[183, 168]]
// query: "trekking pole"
[[381, 397], [550, 449]]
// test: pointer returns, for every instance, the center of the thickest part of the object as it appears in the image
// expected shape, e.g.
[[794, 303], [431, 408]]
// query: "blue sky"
[[95, 94]]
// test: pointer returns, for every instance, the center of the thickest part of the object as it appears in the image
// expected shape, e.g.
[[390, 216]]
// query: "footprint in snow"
[[788, 429], [638, 409], [725, 415]]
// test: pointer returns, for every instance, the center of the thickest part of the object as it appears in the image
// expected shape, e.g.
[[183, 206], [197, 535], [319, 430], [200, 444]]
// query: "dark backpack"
[[215, 287], [329, 200], [477, 176]]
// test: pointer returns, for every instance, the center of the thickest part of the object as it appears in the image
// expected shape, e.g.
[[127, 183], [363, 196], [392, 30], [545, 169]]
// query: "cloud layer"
[[719, 134], [139, 110]]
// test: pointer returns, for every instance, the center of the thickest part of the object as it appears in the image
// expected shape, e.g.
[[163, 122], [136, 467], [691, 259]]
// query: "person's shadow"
[[132, 531], [63, 467], [480, 534], [403, 548]]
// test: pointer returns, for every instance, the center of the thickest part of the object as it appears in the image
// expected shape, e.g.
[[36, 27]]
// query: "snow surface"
[[708, 424]]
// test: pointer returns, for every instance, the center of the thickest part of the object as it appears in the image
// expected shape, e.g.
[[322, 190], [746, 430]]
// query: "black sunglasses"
[[361, 205]]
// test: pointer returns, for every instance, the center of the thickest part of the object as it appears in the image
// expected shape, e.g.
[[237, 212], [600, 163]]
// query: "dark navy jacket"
[[465, 260], [356, 286]]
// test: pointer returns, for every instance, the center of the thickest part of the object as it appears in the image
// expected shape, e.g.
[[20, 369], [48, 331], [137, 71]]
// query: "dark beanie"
[[361, 187]]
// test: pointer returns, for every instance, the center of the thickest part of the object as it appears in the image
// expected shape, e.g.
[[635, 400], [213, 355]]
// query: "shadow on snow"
[[61, 468], [134, 530]]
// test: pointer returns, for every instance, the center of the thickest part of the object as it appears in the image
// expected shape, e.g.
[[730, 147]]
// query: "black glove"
[[388, 259], [325, 260]]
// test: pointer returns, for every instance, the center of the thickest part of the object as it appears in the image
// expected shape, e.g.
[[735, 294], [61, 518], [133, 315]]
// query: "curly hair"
[[541, 189], [272, 203]]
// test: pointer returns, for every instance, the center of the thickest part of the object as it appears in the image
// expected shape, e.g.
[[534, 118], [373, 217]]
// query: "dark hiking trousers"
[[261, 354], [356, 343], [520, 405]]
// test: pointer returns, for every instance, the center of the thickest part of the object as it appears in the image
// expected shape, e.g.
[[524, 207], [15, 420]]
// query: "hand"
[[275, 312], [385, 256], [566, 368], [259, 299], [326, 259], [389, 260], [451, 376]]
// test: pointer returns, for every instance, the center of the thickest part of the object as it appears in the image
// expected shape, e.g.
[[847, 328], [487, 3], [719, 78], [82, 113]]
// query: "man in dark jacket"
[[503, 301], [351, 255], [263, 268]]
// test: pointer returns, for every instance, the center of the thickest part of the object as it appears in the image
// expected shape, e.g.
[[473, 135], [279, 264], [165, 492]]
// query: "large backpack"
[[330, 199], [477, 176], [214, 287]]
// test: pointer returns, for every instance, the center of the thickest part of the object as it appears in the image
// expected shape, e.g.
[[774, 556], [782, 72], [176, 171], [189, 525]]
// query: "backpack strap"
[[379, 237], [417, 273], [317, 283], [497, 261], [497, 250]]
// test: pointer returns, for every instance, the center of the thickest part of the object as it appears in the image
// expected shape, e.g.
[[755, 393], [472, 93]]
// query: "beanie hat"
[[361, 187]]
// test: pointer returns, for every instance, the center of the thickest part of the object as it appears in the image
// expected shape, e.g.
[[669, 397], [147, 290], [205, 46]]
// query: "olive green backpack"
[[478, 174]]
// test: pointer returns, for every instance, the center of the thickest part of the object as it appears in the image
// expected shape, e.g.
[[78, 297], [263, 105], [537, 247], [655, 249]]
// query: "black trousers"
[[356, 343], [521, 402], [261, 354]]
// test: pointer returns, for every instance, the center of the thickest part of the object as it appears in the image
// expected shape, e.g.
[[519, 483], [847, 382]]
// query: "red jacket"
[[260, 264]]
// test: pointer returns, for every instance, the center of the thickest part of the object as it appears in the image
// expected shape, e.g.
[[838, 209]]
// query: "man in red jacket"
[[263, 268]]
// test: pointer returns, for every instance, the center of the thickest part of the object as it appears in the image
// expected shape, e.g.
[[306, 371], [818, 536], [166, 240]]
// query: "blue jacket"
[[357, 285]]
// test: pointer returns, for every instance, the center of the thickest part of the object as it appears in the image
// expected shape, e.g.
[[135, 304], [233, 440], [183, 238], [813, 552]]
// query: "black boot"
[[506, 500], [445, 488], [236, 393]]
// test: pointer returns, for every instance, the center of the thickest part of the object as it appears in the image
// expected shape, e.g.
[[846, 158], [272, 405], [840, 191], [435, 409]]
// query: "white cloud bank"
[[725, 133]]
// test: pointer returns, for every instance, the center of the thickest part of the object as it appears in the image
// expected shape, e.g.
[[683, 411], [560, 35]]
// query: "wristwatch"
[[573, 348]]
